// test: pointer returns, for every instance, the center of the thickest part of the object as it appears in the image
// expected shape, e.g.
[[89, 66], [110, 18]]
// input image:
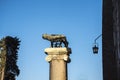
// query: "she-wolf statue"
[[56, 39]]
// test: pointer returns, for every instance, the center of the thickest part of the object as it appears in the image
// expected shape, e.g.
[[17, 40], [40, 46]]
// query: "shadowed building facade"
[[111, 39]]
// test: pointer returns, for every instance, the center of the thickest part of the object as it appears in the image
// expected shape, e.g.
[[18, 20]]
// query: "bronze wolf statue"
[[56, 39]]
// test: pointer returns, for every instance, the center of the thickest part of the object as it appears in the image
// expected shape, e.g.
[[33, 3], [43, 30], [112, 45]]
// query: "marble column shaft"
[[58, 57]]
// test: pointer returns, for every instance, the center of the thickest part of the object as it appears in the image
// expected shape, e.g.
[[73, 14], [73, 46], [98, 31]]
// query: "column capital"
[[57, 53]]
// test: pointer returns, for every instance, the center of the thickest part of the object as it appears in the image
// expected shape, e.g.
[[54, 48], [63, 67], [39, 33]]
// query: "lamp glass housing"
[[95, 49]]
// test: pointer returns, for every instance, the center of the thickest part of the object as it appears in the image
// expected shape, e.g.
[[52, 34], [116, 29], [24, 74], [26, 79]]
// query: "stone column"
[[58, 58]]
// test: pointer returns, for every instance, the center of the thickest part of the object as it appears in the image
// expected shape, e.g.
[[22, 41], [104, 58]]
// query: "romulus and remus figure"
[[56, 39]]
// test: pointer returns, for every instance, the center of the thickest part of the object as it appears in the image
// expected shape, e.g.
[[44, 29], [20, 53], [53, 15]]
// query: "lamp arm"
[[98, 37]]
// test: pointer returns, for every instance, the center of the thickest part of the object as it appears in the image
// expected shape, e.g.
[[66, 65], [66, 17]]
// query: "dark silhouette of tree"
[[11, 68]]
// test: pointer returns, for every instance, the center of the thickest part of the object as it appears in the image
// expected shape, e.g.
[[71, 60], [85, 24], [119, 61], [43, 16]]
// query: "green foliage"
[[11, 68]]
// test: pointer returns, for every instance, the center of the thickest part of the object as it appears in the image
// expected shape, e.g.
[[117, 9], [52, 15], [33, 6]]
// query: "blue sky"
[[79, 20]]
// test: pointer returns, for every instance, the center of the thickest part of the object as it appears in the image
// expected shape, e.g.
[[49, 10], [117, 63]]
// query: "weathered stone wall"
[[111, 39]]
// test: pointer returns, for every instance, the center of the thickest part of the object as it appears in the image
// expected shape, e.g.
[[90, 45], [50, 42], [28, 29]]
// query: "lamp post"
[[95, 46]]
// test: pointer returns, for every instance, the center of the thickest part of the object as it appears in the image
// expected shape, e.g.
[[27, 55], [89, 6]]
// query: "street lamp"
[[95, 46], [95, 49]]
